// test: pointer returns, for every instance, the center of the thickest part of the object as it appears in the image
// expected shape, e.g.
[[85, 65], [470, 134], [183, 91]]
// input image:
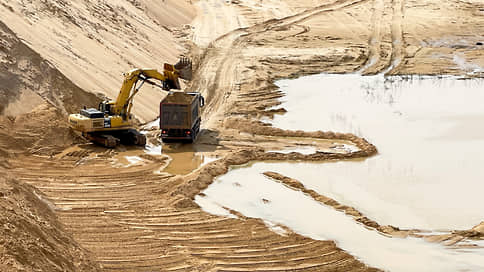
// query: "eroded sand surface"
[[120, 206]]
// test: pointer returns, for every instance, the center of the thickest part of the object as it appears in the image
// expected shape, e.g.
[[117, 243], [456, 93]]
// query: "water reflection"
[[184, 158], [430, 138], [249, 192]]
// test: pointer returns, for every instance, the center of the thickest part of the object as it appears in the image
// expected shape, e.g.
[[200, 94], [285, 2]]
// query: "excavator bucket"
[[184, 68]]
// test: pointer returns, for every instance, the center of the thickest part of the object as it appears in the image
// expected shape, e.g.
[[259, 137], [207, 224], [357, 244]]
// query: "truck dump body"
[[180, 116]]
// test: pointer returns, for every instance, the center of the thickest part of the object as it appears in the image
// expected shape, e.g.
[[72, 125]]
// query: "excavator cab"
[[105, 107], [111, 123]]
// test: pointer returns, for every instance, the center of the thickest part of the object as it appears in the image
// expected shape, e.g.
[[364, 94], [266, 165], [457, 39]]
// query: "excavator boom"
[[169, 80], [112, 122]]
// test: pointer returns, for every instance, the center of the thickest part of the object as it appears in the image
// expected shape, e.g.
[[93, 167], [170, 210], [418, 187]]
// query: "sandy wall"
[[31, 237], [94, 42]]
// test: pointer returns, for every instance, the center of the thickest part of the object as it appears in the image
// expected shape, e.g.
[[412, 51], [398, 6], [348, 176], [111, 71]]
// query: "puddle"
[[305, 150], [153, 149], [127, 161], [309, 150], [334, 147], [214, 207], [465, 65], [132, 160], [184, 158], [347, 148], [249, 192], [275, 228], [306, 146], [429, 134], [208, 159], [128, 158]]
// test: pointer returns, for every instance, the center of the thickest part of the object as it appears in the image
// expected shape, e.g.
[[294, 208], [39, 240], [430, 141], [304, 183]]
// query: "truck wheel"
[[192, 138]]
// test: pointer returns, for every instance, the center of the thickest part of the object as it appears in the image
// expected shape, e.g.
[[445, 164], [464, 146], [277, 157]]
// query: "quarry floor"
[[134, 209]]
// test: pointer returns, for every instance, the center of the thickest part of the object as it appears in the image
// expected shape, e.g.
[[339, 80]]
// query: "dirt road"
[[140, 218]]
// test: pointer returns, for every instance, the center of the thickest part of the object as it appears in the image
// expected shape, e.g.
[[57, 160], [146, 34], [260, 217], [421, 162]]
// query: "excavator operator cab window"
[[104, 107]]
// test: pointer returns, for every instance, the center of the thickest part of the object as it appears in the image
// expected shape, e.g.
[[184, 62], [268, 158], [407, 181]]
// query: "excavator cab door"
[[105, 107], [101, 106]]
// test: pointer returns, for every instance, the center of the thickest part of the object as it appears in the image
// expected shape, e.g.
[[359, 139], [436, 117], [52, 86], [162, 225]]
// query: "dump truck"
[[180, 116], [112, 122]]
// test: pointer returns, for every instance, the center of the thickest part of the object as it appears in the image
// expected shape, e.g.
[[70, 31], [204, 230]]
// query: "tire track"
[[133, 220], [216, 77], [129, 218], [398, 42], [375, 38], [386, 44]]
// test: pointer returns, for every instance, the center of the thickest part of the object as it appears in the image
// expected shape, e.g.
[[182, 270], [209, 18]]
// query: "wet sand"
[[136, 218]]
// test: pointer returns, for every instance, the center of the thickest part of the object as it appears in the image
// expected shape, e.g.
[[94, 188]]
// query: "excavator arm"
[[111, 123], [134, 79]]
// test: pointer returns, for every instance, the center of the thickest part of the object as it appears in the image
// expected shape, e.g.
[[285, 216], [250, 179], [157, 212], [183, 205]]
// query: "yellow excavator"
[[112, 123]]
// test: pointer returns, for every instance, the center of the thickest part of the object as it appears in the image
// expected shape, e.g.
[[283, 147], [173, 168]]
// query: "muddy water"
[[249, 192], [184, 158], [430, 135]]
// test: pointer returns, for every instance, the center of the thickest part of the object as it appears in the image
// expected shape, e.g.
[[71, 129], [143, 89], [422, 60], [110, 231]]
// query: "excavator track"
[[103, 139], [132, 137], [115, 138], [108, 125]]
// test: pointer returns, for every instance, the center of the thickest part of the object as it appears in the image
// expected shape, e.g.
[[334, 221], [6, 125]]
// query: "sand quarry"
[[338, 135]]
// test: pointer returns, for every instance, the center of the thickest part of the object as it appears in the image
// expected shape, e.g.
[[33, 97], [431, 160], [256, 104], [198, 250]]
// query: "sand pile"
[[40, 43], [28, 80], [94, 42], [31, 238], [35, 99]]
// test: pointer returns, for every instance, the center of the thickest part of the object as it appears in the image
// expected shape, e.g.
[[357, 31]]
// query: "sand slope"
[[135, 218], [94, 42], [31, 238], [35, 99]]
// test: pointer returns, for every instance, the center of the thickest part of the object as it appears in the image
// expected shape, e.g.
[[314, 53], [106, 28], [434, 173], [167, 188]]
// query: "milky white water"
[[305, 150], [249, 192], [430, 136], [427, 175]]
